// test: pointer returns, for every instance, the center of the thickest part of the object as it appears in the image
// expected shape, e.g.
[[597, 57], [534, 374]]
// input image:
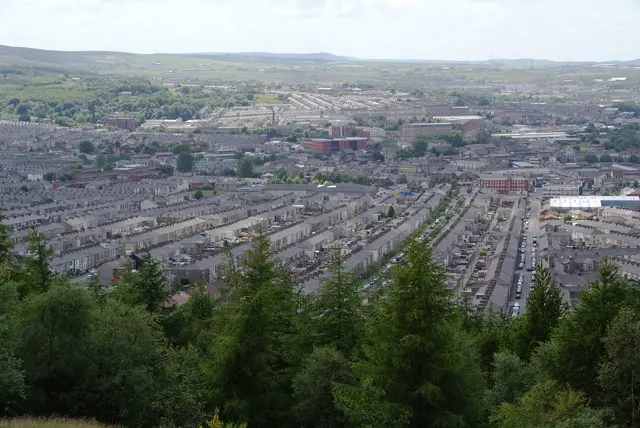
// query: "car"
[[529, 269], [516, 305], [518, 295], [520, 266]]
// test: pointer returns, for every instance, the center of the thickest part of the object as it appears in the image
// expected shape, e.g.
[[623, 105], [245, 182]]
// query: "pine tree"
[[544, 308], [248, 371], [577, 346], [419, 366], [619, 374], [147, 286], [36, 273], [337, 309]]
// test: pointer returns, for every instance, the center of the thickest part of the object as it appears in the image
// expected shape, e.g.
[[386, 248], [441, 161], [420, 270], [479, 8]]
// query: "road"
[[532, 231]]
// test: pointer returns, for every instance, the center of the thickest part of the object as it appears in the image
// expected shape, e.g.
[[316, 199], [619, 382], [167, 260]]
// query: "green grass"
[[266, 99], [49, 423]]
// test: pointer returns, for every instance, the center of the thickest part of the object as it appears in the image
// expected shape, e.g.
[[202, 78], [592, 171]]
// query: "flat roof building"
[[594, 202]]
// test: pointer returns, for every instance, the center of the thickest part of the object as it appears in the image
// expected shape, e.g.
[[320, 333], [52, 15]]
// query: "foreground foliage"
[[264, 354]]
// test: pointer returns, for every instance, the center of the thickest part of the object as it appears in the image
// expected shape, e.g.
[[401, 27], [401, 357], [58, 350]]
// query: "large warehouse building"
[[566, 203]]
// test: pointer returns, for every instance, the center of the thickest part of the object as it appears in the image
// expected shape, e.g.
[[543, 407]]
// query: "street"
[[531, 231]]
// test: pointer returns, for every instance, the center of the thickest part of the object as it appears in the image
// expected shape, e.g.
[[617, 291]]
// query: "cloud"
[[455, 29]]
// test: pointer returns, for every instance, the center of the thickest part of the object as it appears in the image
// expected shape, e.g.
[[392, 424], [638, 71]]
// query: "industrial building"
[[593, 202], [504, 184], [334, 145]]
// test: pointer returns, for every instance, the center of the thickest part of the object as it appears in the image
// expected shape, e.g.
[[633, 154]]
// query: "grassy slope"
[[48, 423]]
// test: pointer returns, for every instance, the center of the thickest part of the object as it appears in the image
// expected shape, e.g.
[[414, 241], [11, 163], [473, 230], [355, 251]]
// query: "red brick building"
[[342, 131], [334, 145], [505, 184]]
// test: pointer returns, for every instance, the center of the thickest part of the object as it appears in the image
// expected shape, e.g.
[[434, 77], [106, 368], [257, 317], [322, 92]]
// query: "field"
[[33, 63], [82, 88]]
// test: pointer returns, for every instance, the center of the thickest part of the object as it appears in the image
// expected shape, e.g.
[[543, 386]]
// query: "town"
[[248, 248], [512, 196]]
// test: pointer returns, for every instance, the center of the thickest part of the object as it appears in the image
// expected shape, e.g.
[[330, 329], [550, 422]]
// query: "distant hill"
[[320, 56], [243, 65]]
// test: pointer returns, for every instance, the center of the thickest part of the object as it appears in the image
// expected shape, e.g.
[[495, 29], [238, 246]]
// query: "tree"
[[245, 167], [53, 335], [577, 346], [12, 384], [147, 286], [185, 162], [544, 309], [391, 212], [605, 158], [6, 256], [181, 148], [336, 309], [167, 170], [313, 386], [122, 379], [248, 372], [619, 373], [634, 159], [508, 381], [86, 147], [636, 184], [198, 194], [36, 273], [547, 405], [100, 161], [419, 145], [591, 158], [419, 366]]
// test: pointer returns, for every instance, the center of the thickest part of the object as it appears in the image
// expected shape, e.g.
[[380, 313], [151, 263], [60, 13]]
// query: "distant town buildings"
[[129, 124]]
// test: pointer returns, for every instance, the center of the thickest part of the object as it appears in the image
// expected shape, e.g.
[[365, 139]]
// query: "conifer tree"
[[419, 367], [544, 308], [248, 371], [337, 309], [147, 286], [577, 347], [36, 273]]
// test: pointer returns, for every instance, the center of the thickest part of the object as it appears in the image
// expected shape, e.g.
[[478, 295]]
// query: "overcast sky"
[[564, 30]]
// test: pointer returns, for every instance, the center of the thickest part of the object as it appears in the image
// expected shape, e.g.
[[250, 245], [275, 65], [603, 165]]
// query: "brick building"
[[341, 131], [505, 184], [335, 144]]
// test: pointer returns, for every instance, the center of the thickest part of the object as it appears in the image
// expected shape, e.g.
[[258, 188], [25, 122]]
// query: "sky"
[[466, 30]]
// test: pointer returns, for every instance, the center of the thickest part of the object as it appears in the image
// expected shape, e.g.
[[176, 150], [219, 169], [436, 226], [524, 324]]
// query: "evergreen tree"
[[147, 286], [313, 389], [36, 273], [544, 307], [419, 366], [619, 373], [508, 381], [248, 370], [337, 309], [577, 346], [547, 405]]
